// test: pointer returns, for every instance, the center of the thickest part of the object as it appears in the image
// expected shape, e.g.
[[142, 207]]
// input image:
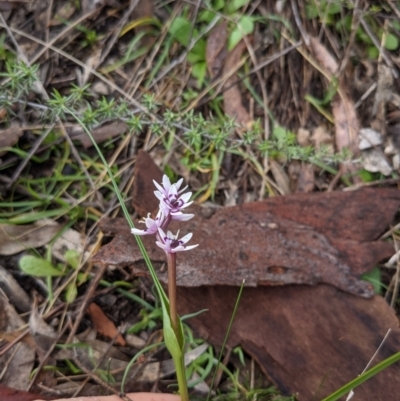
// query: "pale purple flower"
[[152, 225], [166, 185], [171, 198], [171, 244]]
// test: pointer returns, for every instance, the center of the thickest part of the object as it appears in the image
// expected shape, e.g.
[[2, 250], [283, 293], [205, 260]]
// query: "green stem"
[[363, 377], [181, 376], [173, 313]]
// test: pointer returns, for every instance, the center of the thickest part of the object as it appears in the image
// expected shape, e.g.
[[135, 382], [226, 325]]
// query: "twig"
[[299, 24]]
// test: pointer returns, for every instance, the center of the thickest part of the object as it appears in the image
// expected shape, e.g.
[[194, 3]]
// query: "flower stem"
[[171, 258], [181, 376], [179, 362]]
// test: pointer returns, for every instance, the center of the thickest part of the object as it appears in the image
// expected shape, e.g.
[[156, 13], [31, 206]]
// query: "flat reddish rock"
[[302, 239]]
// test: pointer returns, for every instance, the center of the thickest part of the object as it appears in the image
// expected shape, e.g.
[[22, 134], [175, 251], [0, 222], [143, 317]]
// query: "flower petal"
[[179, 216], [185, 205], [136, 231], [165, 247], [178, 184], [166, 182], [186, 238], [162, 233], [182, 248], [159, 187], [185, 197]]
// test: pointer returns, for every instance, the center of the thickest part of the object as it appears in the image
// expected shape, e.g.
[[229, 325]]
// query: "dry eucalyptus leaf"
[[309, 341], [17, 363], [143, 199], [346, 122], [216, 48], [9, 137], [369, 138], [11, 394], [17, 296], [375, 161], [233, 105], [104, 325], [17, 238], [43, 334], [100, 134], [70, 240]]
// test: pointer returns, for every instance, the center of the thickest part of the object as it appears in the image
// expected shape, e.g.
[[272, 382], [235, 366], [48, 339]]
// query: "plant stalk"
[[173, 313], [171, 259], [181, 376]]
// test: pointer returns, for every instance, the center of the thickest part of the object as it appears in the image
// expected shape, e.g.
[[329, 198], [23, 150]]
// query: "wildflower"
[[171, 244], [152, 225], [172, 201], [166, 185]]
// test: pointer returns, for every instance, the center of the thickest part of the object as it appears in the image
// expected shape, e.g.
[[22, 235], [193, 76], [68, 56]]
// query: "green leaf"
[[373, 52], [391, 42], [375, 278], [71, 293], [367, 176], [34, 266], [363, 36], [344, 23], [199, 72], [333, 8], [244, 27], [198, 53], [218, 5], [180, 29], [72, 257], [311, 11], [234, 5], [280, 133], [206, 16], [396, 25]]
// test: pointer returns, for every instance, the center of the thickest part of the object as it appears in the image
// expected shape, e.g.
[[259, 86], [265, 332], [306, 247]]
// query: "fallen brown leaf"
[[309, 341], [347, 125], [15, 293], [216, 48], [100, 134], [11, 394], [9, 137], [233, 105], [301, 176], [143, 199], [104, 325], [17, 238], [16, 363]]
